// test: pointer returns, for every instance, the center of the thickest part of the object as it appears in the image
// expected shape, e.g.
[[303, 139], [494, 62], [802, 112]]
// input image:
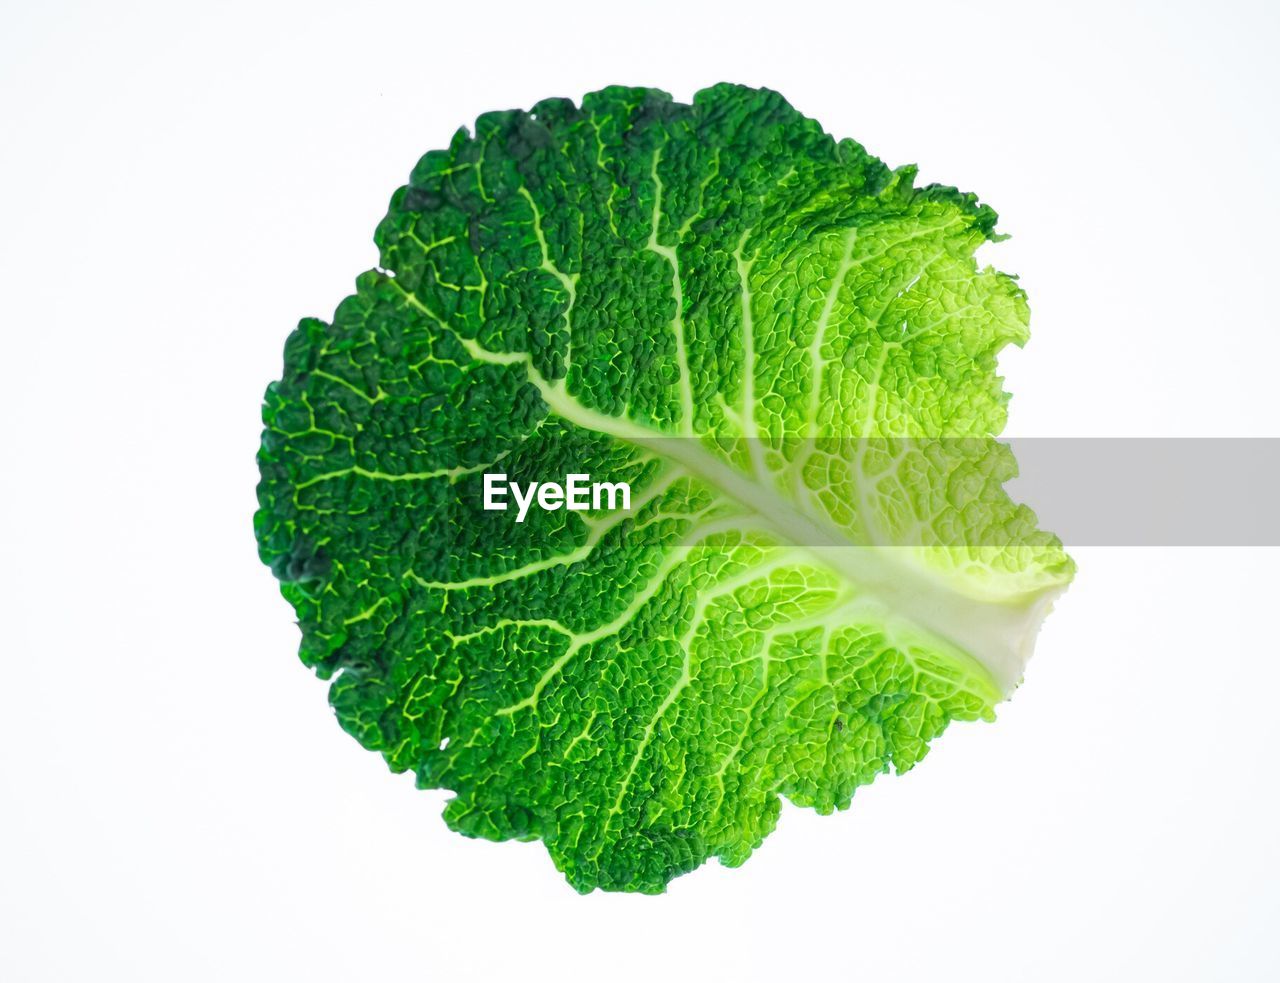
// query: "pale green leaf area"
[[731, 310]]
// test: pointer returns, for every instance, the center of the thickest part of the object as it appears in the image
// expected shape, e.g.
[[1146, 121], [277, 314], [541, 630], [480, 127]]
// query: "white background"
[[180, 183]]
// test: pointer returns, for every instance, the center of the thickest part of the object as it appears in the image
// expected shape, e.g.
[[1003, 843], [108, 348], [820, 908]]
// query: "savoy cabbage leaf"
[[789, 352]]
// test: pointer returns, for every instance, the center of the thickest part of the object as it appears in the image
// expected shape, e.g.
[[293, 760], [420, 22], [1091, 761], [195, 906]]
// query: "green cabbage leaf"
[[788, 351]]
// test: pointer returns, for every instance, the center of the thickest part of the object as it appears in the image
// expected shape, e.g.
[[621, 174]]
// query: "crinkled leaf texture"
[[723, 305]]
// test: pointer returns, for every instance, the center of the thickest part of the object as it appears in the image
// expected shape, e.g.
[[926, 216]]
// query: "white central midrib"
[[998, 635]]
